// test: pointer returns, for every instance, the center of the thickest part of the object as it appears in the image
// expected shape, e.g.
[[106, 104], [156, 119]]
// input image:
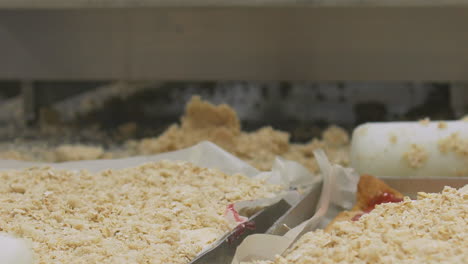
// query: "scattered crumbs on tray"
[[455, 144], [416, 156], [442, 125], [426, 121]]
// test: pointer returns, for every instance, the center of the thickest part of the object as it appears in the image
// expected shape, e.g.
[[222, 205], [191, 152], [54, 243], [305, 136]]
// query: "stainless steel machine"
[[314, 60]]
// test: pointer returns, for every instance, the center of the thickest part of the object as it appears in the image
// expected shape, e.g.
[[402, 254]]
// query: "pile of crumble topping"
[[206, 122], [432, 229], [220, 125], [163, 212]]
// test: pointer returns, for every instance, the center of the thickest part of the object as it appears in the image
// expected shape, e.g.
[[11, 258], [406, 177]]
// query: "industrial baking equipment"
[[104, 72]]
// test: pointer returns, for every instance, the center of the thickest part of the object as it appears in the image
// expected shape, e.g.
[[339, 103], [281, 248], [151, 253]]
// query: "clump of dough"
[[442, 125], [426, 121]]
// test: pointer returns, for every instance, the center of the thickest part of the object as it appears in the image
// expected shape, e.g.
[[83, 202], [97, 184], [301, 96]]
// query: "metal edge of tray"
[[299, 213], [411, 186], [223, 251]]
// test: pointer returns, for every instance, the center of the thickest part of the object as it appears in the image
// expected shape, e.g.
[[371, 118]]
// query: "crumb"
[[77, 152], [442, 125], [18, 188], [335, 136], [426, 121], [393, 139], [416, 156], [455, 144]]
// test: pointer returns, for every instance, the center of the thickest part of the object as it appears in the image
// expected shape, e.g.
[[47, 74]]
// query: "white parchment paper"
[[338, 194], [205, 154]]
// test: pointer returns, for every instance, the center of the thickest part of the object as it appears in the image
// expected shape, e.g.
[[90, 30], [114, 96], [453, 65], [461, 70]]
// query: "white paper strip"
[[338, 192]]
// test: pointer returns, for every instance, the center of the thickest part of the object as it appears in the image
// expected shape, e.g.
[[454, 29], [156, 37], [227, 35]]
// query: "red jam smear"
[[235, 214], [356, 217], [240, 230], [385, 197], [242, 227]]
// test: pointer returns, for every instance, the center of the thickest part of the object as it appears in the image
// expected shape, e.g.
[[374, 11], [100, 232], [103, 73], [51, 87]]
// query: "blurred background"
[[108, 71], [117, 111]]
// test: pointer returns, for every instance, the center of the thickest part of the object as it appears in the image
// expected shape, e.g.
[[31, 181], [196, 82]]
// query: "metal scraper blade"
[[223, 252]]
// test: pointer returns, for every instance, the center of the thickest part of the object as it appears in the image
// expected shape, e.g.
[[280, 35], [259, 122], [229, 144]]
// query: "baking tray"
[[411, 186]]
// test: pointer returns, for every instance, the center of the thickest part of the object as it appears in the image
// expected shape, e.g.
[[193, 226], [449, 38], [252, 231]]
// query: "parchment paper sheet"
[[338, 193]]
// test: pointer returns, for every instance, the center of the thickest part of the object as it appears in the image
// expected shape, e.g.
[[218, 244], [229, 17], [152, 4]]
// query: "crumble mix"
[[432, 229], [218, 124], [163, 212]]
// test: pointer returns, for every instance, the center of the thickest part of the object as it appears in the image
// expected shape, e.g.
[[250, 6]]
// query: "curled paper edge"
[[266, 246]]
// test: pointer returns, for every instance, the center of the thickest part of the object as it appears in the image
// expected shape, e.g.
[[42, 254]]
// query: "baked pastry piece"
[[371, 191]]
